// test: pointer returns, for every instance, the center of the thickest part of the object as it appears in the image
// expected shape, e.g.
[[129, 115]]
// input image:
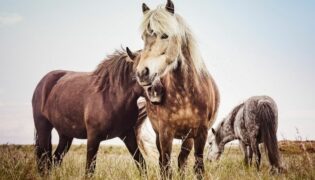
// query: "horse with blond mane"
[[170, 59]]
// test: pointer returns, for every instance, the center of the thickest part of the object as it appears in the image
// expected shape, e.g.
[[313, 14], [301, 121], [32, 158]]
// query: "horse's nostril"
[[143, 74], [145, 71], [138, 74]]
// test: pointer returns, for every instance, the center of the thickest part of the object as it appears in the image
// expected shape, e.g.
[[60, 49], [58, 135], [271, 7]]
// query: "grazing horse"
[[252, 122], [190, 96], [96, 106]]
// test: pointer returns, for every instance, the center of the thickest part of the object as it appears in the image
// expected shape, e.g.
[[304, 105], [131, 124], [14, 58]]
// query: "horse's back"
[[59, 98], [261, 103], [263, 99], [259, 111], [43, 90]]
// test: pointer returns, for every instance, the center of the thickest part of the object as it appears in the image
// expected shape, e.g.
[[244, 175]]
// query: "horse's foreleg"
[[250, 155], [92, 148], [184, 152], [166, 139], [256, 151], [130, 141], [245, 151], [62, 148], [157, 142], [199, 144]]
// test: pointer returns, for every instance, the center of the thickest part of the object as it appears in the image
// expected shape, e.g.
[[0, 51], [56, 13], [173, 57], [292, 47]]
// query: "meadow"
[[114, 162]]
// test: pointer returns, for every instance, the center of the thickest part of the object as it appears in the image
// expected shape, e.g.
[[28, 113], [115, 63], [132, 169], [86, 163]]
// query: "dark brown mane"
[[114, 70]]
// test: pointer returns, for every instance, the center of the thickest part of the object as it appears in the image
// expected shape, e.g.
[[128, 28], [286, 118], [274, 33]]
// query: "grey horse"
[[252, 122]]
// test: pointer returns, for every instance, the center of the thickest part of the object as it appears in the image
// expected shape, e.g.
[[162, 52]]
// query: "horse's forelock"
[[160, 21]]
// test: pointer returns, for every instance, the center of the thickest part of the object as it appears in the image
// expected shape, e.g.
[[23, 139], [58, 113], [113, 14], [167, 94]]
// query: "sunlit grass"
[[114, 162]]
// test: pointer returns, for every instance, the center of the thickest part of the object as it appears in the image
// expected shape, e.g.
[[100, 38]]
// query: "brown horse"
[[190, 96], [96, 106]]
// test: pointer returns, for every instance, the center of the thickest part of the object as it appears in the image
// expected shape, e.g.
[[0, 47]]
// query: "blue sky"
[[250, 47]]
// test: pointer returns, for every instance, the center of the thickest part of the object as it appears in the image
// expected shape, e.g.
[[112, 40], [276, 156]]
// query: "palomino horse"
[[187, 110], [95, 106], [252, 122]]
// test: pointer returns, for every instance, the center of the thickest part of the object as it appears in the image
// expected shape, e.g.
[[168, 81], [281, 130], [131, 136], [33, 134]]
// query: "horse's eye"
[[164, 36], [210, 143], [150, 31]]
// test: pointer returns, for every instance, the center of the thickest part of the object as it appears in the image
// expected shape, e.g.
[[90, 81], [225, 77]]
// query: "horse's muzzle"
[[155, 92], [144, 78]]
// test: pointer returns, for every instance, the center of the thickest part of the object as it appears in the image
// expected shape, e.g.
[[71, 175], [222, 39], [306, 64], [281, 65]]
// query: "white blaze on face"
[[155, 65], [160, 56]]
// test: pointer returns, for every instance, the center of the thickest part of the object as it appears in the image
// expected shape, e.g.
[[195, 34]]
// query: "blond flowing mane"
[[161, 21]]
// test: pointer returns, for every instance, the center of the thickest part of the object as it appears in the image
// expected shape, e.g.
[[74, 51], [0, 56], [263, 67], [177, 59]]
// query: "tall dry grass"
[[114, 162]]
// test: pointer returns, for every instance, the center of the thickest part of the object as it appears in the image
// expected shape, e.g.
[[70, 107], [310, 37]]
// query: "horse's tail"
[[268, 116], [145, 139], [36, 142]]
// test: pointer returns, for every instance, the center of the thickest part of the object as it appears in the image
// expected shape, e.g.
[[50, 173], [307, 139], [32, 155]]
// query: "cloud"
[[10, 19]]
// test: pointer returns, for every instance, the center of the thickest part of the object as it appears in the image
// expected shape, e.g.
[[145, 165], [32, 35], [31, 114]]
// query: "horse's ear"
[[170, 6], [130, 54], [145, 8], [213, 131]]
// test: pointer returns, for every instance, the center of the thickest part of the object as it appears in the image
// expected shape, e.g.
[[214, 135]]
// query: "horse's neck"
[[129, 89], [185, 75], [190, 68], [228, 131]]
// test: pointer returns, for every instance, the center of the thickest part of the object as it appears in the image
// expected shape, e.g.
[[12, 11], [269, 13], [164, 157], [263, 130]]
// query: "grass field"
[[114, 162]]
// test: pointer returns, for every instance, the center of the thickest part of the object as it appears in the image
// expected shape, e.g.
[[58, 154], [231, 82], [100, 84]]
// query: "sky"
[[250, 48]]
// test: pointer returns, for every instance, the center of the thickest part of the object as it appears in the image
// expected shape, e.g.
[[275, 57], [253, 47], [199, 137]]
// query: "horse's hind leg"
[[130, 141], [43, 143], [256, 151], [184, 152], [199, 144], [62, 148]]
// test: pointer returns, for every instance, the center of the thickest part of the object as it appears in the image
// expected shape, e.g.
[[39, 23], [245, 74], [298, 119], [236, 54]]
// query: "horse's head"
[[155, 91], [215, 146], [133, 57], [162, 35]]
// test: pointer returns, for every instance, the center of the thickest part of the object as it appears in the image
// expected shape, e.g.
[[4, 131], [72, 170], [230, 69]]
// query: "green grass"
[[114, 162]]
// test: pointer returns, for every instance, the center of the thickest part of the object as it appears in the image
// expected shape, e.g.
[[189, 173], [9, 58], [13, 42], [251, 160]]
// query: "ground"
[[114, 162]]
